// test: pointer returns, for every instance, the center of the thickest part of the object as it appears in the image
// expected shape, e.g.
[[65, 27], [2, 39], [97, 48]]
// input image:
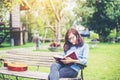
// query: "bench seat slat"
[[25, 74], [30, 74]]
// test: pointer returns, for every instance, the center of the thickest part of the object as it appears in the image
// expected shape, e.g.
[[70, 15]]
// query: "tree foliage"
[[41, 14], [4, 7], [85, 10], [47, 13], [51, 14], [103, 16]]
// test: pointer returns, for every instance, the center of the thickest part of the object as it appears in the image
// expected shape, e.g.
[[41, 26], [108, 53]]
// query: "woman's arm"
[[84, 57]]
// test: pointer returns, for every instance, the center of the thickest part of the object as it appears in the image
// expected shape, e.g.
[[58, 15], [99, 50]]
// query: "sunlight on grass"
[[6, 46]]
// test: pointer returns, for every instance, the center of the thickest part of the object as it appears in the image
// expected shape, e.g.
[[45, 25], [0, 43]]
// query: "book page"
[[58, 57]]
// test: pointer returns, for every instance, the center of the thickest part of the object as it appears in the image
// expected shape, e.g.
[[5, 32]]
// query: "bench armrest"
[[81, 65]]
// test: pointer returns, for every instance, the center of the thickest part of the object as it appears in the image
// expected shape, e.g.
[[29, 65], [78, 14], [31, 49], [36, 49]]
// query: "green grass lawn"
[[103, 62], [6, 46]]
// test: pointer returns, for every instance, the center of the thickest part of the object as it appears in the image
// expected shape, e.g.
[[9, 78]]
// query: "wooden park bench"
[[37, 60]]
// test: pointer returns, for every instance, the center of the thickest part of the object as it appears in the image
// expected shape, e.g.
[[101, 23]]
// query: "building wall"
[[16, 27]]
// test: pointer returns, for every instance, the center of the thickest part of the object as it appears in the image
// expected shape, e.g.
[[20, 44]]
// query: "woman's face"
[[72, 38]]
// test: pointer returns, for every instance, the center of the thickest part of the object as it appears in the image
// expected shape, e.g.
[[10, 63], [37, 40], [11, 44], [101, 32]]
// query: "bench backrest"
[[35, 59]]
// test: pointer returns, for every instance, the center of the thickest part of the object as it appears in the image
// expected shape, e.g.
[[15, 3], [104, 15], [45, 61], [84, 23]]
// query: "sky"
[[71, 4]]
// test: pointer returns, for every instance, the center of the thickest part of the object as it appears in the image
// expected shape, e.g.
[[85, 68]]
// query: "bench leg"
[[16, 77], [82, 78], [37, 68], [3, 77]]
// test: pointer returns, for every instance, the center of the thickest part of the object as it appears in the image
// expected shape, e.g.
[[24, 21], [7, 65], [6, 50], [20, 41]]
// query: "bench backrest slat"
[[31, 59]]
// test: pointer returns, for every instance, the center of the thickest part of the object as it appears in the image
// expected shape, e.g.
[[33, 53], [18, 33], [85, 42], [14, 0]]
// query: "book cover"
[[71, 55]]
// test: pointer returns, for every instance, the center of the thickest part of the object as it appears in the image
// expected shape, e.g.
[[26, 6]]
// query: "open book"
[[71, 55]]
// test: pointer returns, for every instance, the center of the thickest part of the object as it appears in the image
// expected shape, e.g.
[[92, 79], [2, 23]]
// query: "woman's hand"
[[67, 60]]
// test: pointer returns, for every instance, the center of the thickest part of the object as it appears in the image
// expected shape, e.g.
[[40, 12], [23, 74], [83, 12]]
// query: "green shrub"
[[118, 34], [94, 36], [112, 35]]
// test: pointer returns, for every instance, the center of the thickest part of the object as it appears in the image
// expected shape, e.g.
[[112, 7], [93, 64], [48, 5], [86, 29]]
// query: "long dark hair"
[[79, 39]]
